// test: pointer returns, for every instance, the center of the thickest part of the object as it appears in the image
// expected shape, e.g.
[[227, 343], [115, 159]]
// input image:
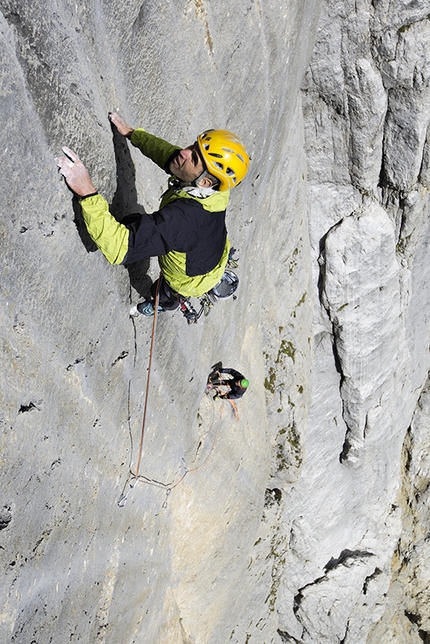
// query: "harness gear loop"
[[188, 310]]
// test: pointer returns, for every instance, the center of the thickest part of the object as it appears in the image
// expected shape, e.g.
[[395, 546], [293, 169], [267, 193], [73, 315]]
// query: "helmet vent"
[[224, 156]]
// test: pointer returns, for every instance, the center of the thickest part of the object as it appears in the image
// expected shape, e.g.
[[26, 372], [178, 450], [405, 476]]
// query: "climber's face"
[[187, 164]]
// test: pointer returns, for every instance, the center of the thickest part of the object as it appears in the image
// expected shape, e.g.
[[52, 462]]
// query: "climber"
[[227, 383], [188, 232]]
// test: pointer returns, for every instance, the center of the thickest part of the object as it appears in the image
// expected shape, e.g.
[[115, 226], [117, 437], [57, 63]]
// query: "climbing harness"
[[225, 288]]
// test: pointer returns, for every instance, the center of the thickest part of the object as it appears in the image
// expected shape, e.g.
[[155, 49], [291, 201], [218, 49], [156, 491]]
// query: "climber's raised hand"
[[75, 173], [122, 127]]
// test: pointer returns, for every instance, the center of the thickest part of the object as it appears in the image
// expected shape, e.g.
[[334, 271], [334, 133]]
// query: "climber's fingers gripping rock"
[[75, 173]]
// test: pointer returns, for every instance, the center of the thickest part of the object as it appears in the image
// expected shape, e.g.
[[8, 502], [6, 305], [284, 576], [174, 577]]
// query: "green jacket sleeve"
[[109, 235], [156, 149]]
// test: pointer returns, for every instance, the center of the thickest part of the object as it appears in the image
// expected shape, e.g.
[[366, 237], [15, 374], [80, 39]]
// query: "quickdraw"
[[225, 288]]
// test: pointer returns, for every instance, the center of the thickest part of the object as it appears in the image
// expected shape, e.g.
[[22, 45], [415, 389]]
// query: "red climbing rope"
[[135, 476], [154, 326]]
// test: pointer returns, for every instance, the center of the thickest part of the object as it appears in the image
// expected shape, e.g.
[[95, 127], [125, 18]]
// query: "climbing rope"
[[168, 487], [134, 476], [154, 326]]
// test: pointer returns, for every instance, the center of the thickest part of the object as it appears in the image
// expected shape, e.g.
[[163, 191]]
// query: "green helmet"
[[244, 383]]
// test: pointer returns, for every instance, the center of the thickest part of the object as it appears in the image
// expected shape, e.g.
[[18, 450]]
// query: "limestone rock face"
[[366, 106], [305, 519], [177, 563]]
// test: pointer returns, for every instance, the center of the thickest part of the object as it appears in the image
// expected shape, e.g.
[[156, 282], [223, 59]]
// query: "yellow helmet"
[[225, 157]]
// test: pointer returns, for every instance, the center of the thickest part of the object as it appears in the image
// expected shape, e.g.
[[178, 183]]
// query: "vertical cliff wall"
[[305, 520], [355, 561], [178, 562]]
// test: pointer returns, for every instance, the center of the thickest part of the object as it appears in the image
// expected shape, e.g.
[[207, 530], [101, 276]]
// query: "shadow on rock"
[[79, 222], [125, 207], [124, 202]]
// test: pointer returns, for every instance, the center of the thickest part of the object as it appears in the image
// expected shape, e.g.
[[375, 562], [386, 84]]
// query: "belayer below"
[[227, 383], [188, 232]]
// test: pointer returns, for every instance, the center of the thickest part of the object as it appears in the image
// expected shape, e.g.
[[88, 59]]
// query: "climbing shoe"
[[147, 308]]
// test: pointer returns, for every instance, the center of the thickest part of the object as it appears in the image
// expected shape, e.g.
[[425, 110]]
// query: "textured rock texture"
[[307, 519], [177, 563], [357, 514]]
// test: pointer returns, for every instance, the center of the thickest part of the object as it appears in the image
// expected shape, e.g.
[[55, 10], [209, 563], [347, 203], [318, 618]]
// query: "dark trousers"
[[168, 299]]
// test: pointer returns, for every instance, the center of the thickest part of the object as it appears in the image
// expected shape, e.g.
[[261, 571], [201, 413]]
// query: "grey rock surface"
[[178, 562], [305, 520], [366, 110]]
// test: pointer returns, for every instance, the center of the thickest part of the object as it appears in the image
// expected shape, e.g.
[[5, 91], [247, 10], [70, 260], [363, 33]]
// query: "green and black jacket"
[[187, 234]]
